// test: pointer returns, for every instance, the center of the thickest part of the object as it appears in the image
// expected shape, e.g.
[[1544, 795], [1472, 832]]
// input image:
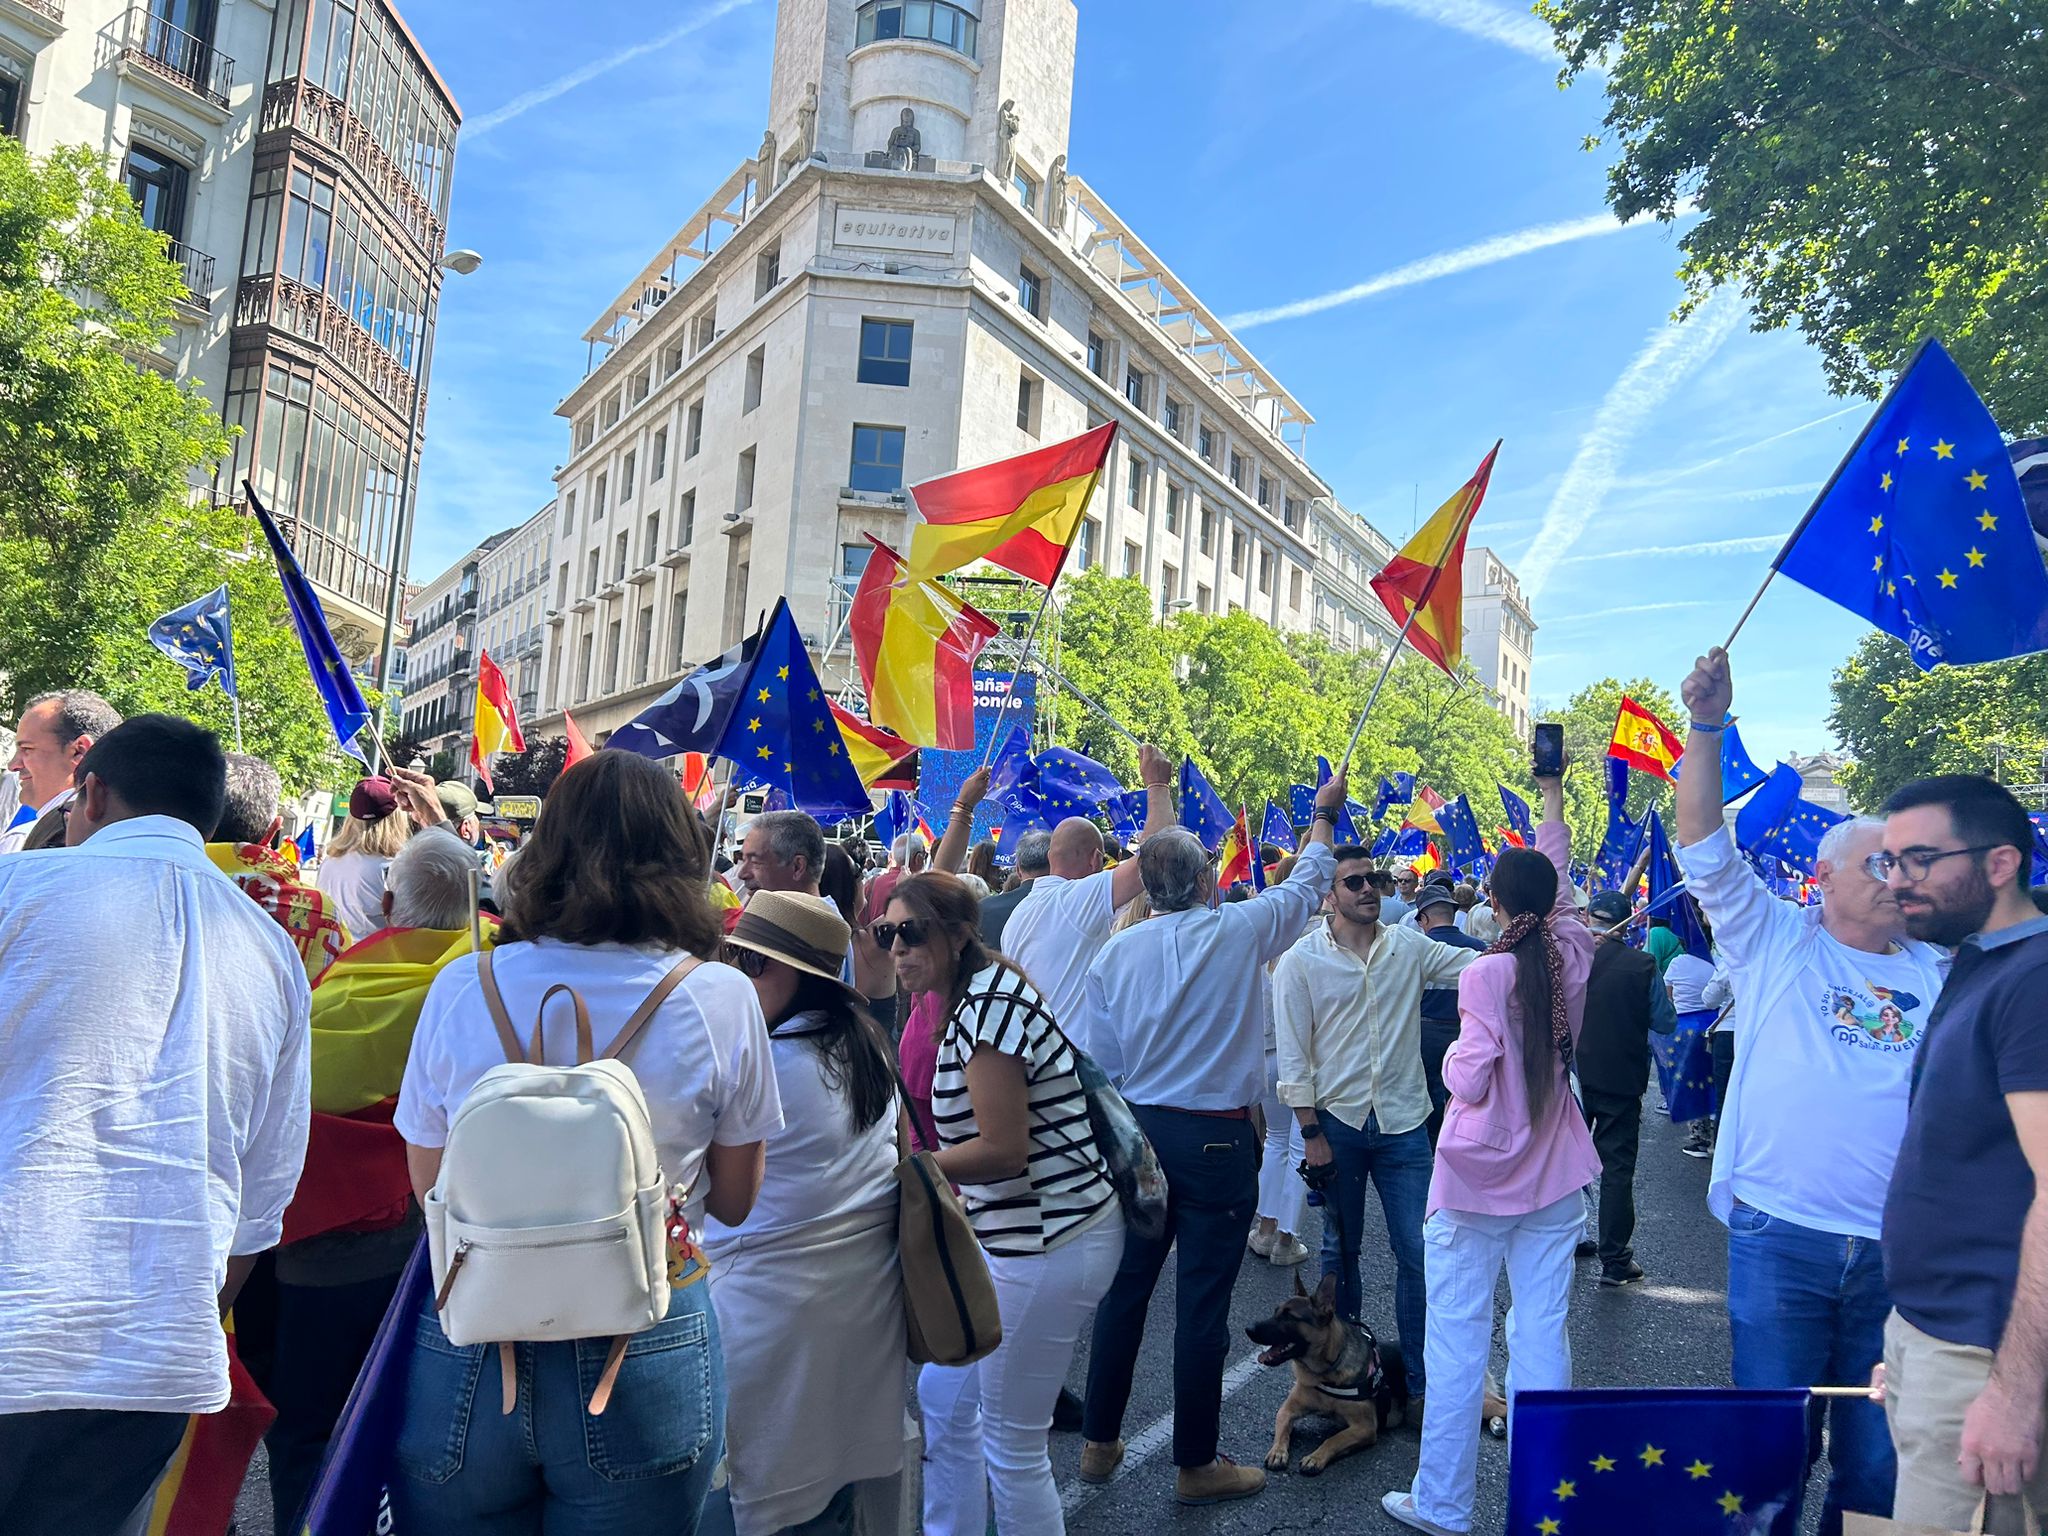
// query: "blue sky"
[[1273, 155]]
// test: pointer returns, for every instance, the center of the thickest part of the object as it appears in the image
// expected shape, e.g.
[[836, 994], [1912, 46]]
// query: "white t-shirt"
[[1695, 984], [1055, 935], [819, 1167], [703, 1059], [354, 881], [1825, 1088]]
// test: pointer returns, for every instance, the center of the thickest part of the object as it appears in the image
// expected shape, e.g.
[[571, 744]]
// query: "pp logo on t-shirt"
[[1873, 1018]]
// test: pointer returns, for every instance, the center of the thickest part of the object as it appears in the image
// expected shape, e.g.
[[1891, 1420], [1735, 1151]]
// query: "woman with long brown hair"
[[1511, 1160], [1014, 1134]]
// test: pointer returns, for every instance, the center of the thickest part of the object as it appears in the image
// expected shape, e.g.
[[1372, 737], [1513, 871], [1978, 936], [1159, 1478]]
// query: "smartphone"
[[1547, 761]]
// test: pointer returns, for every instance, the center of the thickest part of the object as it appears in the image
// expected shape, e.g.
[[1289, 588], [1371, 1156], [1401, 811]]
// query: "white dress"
[[810, 1305]]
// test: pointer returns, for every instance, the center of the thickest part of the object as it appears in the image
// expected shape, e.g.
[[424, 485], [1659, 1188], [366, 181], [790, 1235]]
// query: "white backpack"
[[549, 1218]]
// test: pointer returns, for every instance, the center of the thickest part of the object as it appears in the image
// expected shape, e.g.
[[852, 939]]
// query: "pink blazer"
[[1491, 1159]]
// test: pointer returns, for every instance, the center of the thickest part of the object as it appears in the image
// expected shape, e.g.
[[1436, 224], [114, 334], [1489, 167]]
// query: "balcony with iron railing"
[[147, 41], [197, 269], [41, 15]]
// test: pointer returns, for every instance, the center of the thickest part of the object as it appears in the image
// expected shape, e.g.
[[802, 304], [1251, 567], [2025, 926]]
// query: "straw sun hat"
[[804, 932]]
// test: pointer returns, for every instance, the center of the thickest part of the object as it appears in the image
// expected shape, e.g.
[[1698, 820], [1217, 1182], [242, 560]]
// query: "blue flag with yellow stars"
[[1664, 884], [1126, 813], [1073, 784], [1923, 530], [304, 842], [1396, 790], [1346, 829], [1409, 842], [1739, 774], [1685, 1066], [1517, 810], [1301, 804], [1710, 1461], [1462, 828], [1201, 810], [1384, 843], [1278, 830], [200, 638], [1011, 764], [1779, 824], [895, 818], [347, 711]]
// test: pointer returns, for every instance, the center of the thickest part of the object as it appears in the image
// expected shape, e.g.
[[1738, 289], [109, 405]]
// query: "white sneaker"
[[1261, 1243], [1401, 1505], [1287, 1251]]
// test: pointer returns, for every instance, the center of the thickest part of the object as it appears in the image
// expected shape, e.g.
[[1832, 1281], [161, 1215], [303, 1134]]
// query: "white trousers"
[[1462, 1257], [986, 1425], [1282, 1195]]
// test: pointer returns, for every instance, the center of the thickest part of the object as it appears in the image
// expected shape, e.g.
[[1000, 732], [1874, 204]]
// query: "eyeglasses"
[[750, 963], [1355, 882], [910, 931], [1918, 864]]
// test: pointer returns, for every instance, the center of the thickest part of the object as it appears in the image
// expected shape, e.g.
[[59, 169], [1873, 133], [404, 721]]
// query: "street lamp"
[[461, 263]]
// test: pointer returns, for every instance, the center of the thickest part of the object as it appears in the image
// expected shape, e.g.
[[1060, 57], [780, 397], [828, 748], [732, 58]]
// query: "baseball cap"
[[372, 800], [1434, 895], [458, 800], [1610, 907]]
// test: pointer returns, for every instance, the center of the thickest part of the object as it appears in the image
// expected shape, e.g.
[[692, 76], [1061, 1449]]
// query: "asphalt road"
[[1670, 1331]]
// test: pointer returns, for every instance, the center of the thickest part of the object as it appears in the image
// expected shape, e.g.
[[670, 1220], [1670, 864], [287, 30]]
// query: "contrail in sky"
[[1608, 613], [1494, 23], [583, 74], [1752, 544], [1667, 477], [1444, 264], [1671, 356]]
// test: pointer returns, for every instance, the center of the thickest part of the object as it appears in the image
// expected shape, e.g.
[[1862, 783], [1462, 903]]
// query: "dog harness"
[[1368, 1382]]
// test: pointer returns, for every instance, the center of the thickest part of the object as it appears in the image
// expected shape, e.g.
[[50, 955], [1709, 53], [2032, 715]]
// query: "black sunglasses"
[[910, 931], [750, 963], [1356, 882]]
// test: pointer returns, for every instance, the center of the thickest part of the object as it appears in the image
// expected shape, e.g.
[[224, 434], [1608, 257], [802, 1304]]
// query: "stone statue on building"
[[807, 123], [905, 143], [1056, 193], [1008, 124], [764, 166]]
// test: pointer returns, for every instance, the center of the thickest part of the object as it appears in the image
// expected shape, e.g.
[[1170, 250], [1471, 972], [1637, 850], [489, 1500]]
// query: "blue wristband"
[[1701, 725]]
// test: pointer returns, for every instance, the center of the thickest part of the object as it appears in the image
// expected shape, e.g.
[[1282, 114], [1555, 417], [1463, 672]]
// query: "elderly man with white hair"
[[1830, 1007], [1175, 1011]]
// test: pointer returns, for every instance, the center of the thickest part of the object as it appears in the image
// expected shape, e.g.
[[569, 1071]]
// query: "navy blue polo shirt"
[[1440, 1004], [1961, 1187]]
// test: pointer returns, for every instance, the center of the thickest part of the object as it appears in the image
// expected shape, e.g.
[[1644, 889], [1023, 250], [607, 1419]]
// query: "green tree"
[[532, 772], [1114, 650], [1444, 729], [1901, 723], [1874, 173], [1257, 719], [1588, 720]]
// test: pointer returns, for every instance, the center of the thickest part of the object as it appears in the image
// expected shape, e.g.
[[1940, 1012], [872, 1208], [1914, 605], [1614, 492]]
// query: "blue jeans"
[[643, 1466], [1399, 1167], [1807, 1308]]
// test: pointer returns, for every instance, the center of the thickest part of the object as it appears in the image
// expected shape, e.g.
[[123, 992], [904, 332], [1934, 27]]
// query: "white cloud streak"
[[1750, 545], [1671, 356], [583, 74], [1427, 269], [1670, 476], [1517, 30], [1609, 613]]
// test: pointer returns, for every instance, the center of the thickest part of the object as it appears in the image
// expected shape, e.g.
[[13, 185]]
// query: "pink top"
[[1490, 1159], [918, 1054]]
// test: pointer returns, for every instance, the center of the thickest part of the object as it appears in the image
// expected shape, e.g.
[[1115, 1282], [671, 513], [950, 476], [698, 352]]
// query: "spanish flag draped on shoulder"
[[1423, 586], [1019, 514]]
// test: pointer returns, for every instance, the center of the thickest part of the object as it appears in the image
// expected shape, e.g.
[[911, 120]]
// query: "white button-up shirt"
[[1055, 935], [153, 1109], [1173, 1003], [1348, 1032]]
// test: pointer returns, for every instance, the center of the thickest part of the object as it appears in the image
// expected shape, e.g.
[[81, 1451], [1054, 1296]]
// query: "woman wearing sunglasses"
[[1014, 1135], [809, 1303]]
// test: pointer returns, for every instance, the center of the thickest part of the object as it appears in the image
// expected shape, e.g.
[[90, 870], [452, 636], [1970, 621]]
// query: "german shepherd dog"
[[1340, 1370]]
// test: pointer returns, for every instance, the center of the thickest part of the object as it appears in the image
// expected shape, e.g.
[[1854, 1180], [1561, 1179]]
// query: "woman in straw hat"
[[809, 1300]]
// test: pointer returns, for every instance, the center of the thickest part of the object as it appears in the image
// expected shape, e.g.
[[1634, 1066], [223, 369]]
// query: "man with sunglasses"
[[1965, 1232], [1831, 1004]]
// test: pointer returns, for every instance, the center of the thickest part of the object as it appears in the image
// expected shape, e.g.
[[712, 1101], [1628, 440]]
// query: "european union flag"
[[2040, 821], [1517, 810], [1201, 811], [200, 638], [1617, 848], [1383, 844], [1617, 784], [1460, 826], [1685, 1066], [1021, 815], [1739, 775], [1301, 804], [1011, 763], [1073, 784], [760, 707], [2030, 466], [1399, 789], [305, 845], [1126, 813], [1277, 829], [1710, 1461], [1666, 890], [1923, 530], [1409, 843], [1777, 822], [896, 817], [1346, 829], [347, 711]]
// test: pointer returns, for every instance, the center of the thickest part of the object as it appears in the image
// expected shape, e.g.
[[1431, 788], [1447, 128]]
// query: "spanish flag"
[[497, 719], [1427, 578], [196, 1494], [1643, 741], [1429, 861], [1422, 812], [1019, 513], [579, 747], [883, 759], [1238, 855], [916, 643]]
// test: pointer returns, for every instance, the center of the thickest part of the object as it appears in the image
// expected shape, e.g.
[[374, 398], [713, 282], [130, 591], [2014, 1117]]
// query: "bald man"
[[1056, 932]]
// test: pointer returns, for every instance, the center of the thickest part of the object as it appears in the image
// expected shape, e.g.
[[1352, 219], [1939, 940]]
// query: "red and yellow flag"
[[1237, 854], [1427, 578], [1422, 813], [497, 718], [916, 643], [579, 747], [883, 759], [196, 1494], [1428, 861], [1018, 513], [1643, 741]]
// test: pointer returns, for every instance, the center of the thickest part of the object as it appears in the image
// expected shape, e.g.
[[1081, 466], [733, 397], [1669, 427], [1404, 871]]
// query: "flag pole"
[[237, 704], [1854, 448], [1088, 703], [1009, 693]]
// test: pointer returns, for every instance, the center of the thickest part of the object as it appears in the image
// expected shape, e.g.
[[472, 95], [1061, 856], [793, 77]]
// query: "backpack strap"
[[648, 1004], [494, 1000], [540, 1019]]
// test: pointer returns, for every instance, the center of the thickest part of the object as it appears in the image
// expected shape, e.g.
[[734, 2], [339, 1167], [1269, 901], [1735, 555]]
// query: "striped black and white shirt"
[[1066, 1182]]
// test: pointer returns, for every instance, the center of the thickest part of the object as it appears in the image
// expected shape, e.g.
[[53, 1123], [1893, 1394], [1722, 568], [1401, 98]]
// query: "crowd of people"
[[232, 1084]]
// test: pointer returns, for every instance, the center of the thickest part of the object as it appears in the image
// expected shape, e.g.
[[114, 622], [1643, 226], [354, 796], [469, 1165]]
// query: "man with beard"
[[1965, 1233]]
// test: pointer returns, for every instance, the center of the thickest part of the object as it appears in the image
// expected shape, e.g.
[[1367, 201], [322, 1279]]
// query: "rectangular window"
[[1173, 509], [767, 271], [1134, 387], [1098, 356], [599, 498], [1028, 391], [1026, 189], [1265, 570], [619, 557], [678, 611], [757, 367], [1176, 417], [884, 352], [10, 106], [660, 455], [1084, 547], [643, 644], [590, 573], [1169, 587], [1133, 558], [586, 429], [611, 655], [569, 513], [1265, 491], [650, 543], [1134, 483], [877, 459], [1208, 533], [703, 330], [158, 184], [693, 435], [627, 466], [637, 390], [1206, 445], [1290, 513], [743, 491], [1294, 587], [608, 414], [583, 678], [1204, 602], [1031, 292], [1239, 470], [562, 586], [1237, 551], [686, 519]]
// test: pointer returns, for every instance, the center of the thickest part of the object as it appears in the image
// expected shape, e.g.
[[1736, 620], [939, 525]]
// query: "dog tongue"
[[1276, 1355]]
